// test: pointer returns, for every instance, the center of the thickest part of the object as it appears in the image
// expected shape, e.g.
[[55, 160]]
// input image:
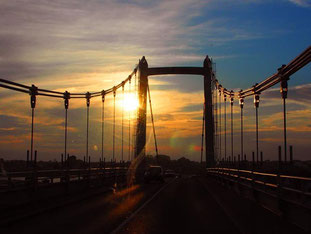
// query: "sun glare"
[[130, 102]]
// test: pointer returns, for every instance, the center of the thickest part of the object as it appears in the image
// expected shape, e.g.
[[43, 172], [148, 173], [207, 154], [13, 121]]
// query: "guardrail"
[[284, 195], [13, 181], [30, 192]]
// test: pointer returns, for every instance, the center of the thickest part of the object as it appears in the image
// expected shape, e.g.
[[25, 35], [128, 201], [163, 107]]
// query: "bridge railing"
[[301, 185], [288, 196], [16, 181]]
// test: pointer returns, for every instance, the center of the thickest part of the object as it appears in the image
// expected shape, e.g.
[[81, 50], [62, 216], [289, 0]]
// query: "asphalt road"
[[181, 205]]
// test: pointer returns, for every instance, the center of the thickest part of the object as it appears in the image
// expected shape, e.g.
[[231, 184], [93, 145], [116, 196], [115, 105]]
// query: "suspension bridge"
[[201, 201]]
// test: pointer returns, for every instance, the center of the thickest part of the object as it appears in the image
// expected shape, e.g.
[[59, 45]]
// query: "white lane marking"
[[226, 211], [140, 208]]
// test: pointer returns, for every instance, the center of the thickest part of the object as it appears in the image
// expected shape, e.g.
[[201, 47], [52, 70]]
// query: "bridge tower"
[[142, 110], [208, 113], [206, 71]]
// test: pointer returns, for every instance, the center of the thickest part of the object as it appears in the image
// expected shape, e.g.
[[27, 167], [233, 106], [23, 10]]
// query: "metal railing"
[[20, 180], [284, 195]]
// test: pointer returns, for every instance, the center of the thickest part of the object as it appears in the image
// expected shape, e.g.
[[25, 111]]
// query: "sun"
[[130, 102]]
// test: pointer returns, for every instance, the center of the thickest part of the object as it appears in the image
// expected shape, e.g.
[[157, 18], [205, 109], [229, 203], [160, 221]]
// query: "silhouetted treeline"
[[294, 168], [181, 165]]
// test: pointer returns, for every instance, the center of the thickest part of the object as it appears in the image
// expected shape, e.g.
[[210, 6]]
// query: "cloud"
[[300, 94], [11, 140], [302, 3], [190, 108], [69, 40], [88, 46]]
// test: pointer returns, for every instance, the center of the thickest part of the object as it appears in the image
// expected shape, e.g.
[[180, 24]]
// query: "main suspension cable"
[[56, 94]]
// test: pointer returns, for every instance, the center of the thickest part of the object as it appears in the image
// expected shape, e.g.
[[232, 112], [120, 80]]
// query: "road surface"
[[181, 205]]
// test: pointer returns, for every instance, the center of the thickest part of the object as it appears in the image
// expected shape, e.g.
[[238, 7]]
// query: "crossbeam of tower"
[[144, 72]]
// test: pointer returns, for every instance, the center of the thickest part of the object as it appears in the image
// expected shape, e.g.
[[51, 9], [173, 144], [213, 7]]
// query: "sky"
[[92, 45]]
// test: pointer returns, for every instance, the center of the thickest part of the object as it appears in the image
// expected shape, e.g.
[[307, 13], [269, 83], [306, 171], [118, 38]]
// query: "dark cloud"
[[301, 93], [10, 125], [192, 108], [164, 117], [183, 83], [45, 38], [10, 121], [15, 70]]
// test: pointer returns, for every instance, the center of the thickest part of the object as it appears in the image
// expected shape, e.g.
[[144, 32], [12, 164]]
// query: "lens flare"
[[194, 148]]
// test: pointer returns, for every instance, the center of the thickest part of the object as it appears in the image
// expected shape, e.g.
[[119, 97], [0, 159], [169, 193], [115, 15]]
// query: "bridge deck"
[[182, 205]]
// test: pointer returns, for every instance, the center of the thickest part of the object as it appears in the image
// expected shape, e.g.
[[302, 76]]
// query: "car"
[[153, 173], [170, 173]]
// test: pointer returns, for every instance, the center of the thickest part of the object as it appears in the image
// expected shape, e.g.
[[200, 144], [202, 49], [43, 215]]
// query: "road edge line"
[[225, 210], [140, 208]]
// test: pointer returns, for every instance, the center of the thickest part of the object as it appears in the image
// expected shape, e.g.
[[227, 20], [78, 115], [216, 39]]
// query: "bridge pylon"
[[144, 71], [142, 110], [208, 113]]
